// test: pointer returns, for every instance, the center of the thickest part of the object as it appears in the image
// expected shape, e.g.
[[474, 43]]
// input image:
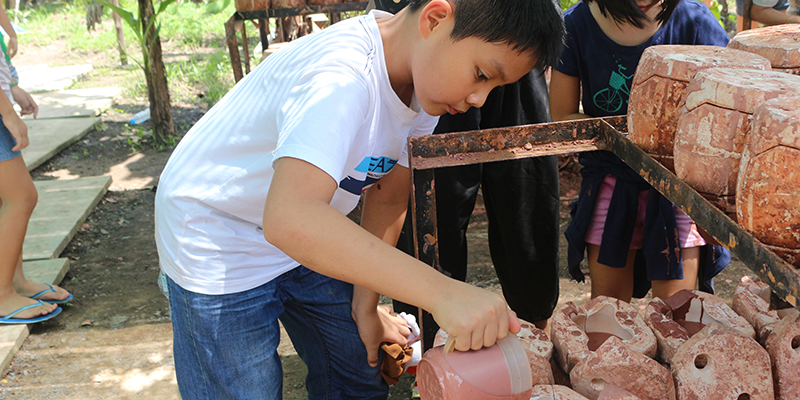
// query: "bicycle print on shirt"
[[611, 98]]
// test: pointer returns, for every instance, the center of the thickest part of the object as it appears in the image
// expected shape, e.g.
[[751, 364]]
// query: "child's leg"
[[29, 288], [226, 346], [318, 320], [691, 260], [609, 281], [17, 199]]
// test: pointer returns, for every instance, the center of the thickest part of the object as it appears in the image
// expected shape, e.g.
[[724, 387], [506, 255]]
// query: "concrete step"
[[49, 136], [43, 78], [62, 208], [73, 103]]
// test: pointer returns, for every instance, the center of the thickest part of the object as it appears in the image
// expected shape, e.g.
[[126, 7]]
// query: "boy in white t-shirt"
[[251, 208]]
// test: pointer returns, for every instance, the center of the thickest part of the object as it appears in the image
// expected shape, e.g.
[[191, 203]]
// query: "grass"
[[201, 77]]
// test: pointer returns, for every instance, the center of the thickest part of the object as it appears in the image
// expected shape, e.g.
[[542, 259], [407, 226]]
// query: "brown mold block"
[[715, 122], [576, 331], [751, 301], [287, 3], [251, 5], [780, 44], [681, 316], [783, 346], [615, 364], [660, 83], [720, 363], [554, 392], [616, 393], [768, 203]]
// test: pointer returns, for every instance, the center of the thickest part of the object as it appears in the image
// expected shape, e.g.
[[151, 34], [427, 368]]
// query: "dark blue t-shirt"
[[606, 68], [606, 71]]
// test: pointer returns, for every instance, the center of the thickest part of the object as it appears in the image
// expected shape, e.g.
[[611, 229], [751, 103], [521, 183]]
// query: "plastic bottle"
[[141, 116]]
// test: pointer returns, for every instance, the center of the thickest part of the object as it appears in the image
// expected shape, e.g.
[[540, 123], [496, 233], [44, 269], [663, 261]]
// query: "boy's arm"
[[385, 205], [565, 96], [299, 220]]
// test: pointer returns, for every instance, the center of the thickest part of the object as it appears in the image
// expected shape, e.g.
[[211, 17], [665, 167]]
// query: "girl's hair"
[[534, 26], [628, 12]]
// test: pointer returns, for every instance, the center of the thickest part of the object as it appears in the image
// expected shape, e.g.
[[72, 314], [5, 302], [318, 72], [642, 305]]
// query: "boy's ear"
[[434, 15]]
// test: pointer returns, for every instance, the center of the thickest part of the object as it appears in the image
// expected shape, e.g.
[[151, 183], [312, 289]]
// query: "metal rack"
[[434, 151], [236, 22]]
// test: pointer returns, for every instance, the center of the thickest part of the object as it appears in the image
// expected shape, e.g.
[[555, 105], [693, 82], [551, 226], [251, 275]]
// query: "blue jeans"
[[226, 345]]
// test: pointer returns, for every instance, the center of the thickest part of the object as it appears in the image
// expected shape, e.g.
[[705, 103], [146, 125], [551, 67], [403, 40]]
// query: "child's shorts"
[[687, 229], [7, 142]]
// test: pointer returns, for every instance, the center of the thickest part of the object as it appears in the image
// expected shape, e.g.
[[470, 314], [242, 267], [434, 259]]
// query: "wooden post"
[[123, 54]]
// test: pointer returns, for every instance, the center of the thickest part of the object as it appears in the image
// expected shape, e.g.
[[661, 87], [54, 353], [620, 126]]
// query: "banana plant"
[[146, 29], [135, 25]]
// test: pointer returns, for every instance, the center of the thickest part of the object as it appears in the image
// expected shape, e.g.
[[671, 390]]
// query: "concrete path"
[[62, 208], [64, 117], [42, 78], [49, 136], [74, 103]]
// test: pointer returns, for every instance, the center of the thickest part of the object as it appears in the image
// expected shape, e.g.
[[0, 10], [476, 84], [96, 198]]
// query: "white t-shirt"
[[325, 99]]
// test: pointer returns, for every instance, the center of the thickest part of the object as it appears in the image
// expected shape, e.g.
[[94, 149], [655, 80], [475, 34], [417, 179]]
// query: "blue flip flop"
[[9, 320], [49, 289]]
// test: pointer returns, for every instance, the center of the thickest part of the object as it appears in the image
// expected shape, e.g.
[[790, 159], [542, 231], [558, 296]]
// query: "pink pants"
[[687, 230]]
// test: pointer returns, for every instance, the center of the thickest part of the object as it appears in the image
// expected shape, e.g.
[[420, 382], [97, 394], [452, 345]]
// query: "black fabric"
[[660, 257], [521, 200]]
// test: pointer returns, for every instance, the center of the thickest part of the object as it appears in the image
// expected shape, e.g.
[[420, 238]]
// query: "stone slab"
[[49, 136], [62, 208], [42, 78], [73, 103], [12, 336]]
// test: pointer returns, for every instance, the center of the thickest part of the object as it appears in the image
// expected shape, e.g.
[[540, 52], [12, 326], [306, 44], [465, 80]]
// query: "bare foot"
[[28, 288], [15, 302]]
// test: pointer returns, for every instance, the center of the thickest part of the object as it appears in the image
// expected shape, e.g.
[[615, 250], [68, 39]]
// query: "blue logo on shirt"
[[374, 167], [611, 98]]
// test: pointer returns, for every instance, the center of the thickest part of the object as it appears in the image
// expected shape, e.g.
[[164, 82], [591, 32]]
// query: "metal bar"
[[233, 48], [263, 34], [783, 278], [434, 151], [473, 147], [426, 246], [245, 49], [288, 12]]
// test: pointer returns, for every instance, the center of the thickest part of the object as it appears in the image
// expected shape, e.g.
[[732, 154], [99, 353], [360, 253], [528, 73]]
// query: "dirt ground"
[[114, 340]]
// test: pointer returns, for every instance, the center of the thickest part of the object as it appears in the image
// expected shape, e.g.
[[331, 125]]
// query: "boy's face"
[[450, 77]]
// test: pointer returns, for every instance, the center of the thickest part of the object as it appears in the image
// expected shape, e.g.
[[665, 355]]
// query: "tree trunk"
[[123, 54], [156, 76]]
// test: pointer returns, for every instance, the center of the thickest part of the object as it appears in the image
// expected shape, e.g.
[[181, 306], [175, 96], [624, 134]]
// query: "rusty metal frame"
[[236, 22], [464, 148]]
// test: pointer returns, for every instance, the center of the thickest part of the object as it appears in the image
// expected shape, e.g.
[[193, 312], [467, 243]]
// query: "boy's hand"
[[475, 317], [18, 129], [12, 46], [380, 326], [25, 101]]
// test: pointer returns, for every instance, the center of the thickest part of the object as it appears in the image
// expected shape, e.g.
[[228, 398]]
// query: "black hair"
[[534, 26], [627, 11]]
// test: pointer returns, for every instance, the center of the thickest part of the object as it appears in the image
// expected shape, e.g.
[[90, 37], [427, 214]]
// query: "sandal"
[[50, 288], [8, 319]]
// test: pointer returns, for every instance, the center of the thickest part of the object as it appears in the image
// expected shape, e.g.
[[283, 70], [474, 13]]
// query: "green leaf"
[[126, 15], [163, 5], [217, 6]]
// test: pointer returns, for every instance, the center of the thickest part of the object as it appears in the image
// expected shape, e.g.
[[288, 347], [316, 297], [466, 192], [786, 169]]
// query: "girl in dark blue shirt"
[[634, 237]]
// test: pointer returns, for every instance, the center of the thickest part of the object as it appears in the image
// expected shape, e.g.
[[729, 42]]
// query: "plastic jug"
[[500, 371]]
